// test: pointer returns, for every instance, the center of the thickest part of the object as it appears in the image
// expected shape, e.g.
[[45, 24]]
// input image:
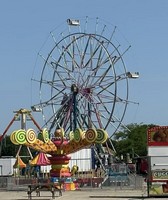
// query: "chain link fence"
[[131, 181]]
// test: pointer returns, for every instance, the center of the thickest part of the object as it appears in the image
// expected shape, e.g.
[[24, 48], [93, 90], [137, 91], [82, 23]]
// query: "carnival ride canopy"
[[19, 163], [40, 159]]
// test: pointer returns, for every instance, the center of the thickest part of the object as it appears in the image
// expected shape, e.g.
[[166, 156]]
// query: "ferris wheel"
[[83, 82]]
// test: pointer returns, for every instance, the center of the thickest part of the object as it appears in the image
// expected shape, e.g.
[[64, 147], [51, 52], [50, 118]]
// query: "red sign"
[[158, 136]]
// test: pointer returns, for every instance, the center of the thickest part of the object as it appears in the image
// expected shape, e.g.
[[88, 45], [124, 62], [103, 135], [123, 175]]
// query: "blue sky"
[[25, 25]]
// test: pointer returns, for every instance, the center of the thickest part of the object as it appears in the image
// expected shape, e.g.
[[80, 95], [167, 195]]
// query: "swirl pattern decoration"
[[30, 136], [12, 138], [77, 134], [45, 135], [20, 136], [71, 135], [91, 135], [101, 136]]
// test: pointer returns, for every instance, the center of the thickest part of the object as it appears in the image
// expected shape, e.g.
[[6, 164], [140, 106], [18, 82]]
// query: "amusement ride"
[[82, 82]]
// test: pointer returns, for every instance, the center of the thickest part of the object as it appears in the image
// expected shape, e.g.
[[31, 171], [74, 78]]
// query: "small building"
[[6, 166]]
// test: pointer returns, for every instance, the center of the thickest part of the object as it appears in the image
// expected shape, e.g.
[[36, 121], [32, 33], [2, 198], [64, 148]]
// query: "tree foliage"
[[8, 148], [132, 139]]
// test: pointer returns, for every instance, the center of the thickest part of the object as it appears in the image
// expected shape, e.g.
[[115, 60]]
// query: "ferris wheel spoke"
[[85, 107], [91, 77], [109, 120], [100, 54], [85, 24], [111, 56], [112, 98], [72, 53], [66, 118], [92, 55], [62, 79], [65, 51], [66, 71], [111, 37], [55, 123], [93, 109], [98, 117], [96, 25], [100, 57], [63, 70], [84, 121], [56, 65], [102, 77], [105, 88], [52, 100], [81, 120], [98, 41], [53, 37], [54, 86], [96, 29], [71, 46], [81, 58], [73, 60], [78, 47], [104, 104], [90, 61], [84, 52], [43, 58], [108, 91], [117, 58], [106, 107], [67, 43], [59, 117], [106, 110]]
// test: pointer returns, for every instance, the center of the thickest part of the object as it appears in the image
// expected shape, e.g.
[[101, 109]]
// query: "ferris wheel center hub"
[[74, 88]]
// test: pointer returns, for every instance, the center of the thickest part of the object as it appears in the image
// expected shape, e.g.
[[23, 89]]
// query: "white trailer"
[[82, 158], [158, 161], [6, 166]]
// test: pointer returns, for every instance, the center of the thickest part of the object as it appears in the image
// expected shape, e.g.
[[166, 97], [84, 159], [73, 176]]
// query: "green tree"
[[10, 149], [7, 147], [132, 139]]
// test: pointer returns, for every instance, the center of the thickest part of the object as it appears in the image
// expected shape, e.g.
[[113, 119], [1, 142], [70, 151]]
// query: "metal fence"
[[14, 183], [3, 182], [132, 181]]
